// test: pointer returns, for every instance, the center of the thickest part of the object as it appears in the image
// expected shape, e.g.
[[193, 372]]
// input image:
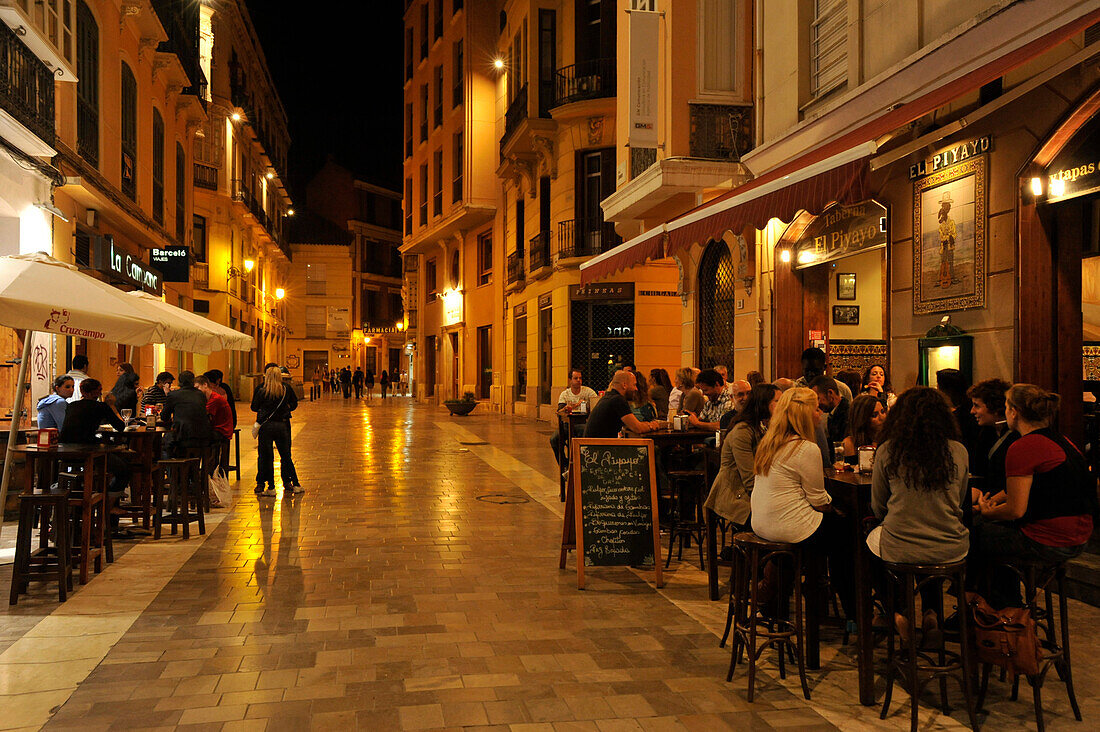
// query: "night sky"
[[337, 68]]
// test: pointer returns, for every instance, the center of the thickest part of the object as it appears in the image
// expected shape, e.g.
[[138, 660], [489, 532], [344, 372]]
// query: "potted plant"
[[461, 407]]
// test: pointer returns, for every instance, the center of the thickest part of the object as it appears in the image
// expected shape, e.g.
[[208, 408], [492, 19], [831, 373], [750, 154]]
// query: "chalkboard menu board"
[[615, 494]]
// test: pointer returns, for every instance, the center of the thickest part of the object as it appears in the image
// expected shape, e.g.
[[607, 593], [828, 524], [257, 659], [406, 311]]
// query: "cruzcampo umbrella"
[[194, 333]]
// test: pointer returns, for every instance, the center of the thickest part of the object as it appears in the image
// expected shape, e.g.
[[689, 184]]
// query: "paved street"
[[414, 586]]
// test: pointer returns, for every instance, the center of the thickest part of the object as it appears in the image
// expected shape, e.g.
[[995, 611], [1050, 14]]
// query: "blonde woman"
[[273, 401], [789, 501]]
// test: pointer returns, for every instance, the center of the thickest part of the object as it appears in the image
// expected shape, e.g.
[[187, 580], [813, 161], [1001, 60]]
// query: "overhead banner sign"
[[173, 263], [642, 98]]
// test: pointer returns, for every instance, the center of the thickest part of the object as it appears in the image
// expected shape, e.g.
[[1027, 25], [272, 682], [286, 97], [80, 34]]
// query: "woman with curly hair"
[[876, 382]]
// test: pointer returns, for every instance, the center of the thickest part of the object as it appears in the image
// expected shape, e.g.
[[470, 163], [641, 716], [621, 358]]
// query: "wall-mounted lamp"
[[236, 116], [1036, 187], [498, 63], [400, 325], [270, 175], [280, 293], [1057, 187], [785, 256], [290, 212], [248, 265], [52, 209]]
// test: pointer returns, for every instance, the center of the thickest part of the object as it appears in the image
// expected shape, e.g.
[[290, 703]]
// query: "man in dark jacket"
[[345, 381], [357, 382], [185, 410]]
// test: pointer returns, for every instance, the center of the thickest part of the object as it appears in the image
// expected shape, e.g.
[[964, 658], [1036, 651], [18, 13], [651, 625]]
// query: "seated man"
[[51, 408], [577, 398], [158, 393], [834, 405], [717, 403], [185, 411], [612, 412], [82, 427]]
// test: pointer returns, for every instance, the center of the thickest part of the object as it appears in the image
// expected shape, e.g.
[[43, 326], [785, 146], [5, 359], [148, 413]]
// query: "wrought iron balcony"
[[26, 86], [181, 22], [515, 268], [517, 112], [585, 80], [540, 251], [585, 238], [206, 176], [720, 131]]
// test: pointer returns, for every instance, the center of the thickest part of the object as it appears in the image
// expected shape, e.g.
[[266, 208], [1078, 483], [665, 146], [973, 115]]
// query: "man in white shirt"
[[77, 373], [577, 398]]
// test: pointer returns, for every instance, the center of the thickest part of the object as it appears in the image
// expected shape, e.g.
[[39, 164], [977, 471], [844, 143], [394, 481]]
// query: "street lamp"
[[248, 265], [280, 293]]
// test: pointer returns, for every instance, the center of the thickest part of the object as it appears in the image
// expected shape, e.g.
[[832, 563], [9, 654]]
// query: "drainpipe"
[[758, 83]]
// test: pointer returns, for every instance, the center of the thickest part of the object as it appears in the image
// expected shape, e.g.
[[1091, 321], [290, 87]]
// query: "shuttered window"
[[828, 46], [158, 167], [129, 132], [316, 279]]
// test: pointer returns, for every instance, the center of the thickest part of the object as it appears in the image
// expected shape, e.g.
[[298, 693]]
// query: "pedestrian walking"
[[370, 383], [357, 381], [334, 381], [315, 389], [273, 401], [384, 382], [345, 382]]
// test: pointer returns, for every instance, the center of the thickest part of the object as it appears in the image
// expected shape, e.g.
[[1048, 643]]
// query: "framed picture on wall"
[[846, 286], [845, 314], [950, 239]]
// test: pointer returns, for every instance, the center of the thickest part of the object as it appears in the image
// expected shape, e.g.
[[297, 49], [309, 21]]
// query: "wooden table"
[[44, 464], [851, 493]]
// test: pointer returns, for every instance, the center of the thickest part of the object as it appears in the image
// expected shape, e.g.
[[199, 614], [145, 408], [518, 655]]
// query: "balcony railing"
[[585, 80], [206, 176], [540, 251], [586, 238], [515, 267], [26, 86], [720, 131], [181, 22], [517, 112]]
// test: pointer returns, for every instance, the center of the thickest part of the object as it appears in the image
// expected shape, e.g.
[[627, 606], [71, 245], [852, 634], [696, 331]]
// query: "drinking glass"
[[838, 451], [126, 415]]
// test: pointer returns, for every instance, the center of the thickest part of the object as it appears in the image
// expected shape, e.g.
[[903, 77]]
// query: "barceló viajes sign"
[[117, 263]]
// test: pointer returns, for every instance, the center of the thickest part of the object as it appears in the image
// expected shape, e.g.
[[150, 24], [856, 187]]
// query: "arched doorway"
[[717, 306]]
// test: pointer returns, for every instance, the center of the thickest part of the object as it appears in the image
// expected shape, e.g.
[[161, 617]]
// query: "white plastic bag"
[[219, 487]]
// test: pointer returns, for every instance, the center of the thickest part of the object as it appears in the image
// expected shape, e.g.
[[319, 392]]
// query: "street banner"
[[643, 79]]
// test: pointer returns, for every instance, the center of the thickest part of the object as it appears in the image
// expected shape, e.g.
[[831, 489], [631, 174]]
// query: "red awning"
[[846, 183]]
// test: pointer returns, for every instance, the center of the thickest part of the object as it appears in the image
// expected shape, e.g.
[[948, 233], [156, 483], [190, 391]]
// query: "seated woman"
[[865, 420], [876, 382], [1049, 505], [642, 406], [789, 502], [660, 388], [730, 494], [684, 390]]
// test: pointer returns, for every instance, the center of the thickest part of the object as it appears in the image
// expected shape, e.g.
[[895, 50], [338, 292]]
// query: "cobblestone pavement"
[[390, 596]]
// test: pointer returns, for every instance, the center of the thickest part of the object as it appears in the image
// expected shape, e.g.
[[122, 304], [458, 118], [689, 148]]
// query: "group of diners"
[[198, 412], [960, 472]]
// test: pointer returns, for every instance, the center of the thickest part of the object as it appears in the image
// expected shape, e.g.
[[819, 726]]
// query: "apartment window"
[[424, 30], [457, 166], [316, 321], [87, 89], [424, 194], [55, 18], [459, 72], [409, 53], [719, 50], [370, 313], [423, 112], [485, 258], [430, 276], [198, 237], [316, 279], [438, 96], [408, 206], [828, 46], [129, 132], [437, 192], [438, 19], [158, 167], [408, 130], [650, 5], [181, 195]]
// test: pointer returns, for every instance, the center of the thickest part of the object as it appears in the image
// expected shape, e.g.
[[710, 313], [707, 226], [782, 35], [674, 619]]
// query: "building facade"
[[322, 278], [238, 244]]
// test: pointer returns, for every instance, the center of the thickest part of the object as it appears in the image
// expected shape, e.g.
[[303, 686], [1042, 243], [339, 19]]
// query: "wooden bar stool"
[[753, 620], [177, 482], [688, 491], [47, 562], [918, 666], [88, 513], [235, 467], [1041, 580]]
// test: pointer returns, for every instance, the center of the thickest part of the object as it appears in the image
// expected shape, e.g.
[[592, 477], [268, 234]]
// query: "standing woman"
[[369, 383], [730, 495], [384, 382], [1049, 506], [273, 401], [125, 389]]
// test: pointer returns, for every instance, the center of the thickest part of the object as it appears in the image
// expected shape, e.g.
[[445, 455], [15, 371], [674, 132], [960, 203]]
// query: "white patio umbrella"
[[40, 293], [200, 334]]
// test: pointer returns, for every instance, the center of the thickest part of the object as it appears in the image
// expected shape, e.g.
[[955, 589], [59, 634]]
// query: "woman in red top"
[[1047, 510]]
